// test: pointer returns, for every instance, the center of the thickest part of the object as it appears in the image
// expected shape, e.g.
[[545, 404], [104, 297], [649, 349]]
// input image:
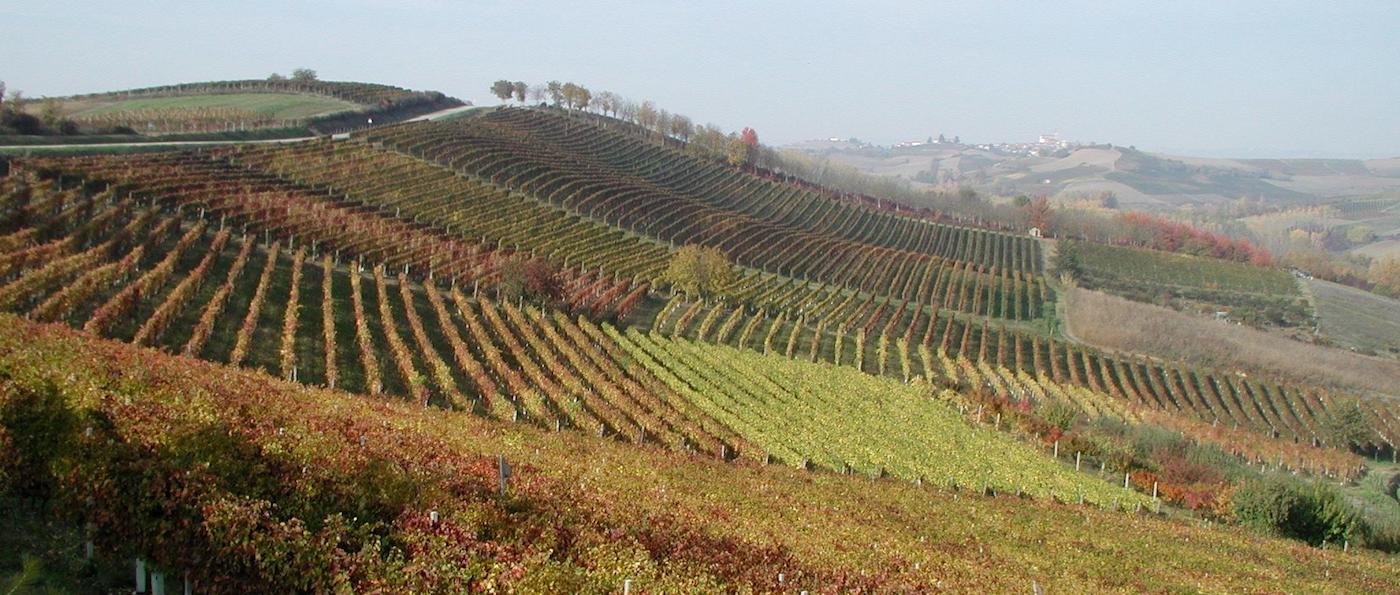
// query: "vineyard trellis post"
[[503, 469]]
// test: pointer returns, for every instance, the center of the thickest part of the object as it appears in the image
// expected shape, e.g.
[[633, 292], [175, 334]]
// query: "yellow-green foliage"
[[835, 417]]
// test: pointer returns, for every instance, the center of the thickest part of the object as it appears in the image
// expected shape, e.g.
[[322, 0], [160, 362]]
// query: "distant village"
[[1046, 145]]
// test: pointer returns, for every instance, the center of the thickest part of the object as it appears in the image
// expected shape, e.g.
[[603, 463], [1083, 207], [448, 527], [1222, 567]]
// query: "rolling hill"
[[507, 283], [293, 107], [1139, 179]]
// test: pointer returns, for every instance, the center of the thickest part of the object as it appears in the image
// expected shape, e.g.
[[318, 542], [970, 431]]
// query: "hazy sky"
[[1210, 78]]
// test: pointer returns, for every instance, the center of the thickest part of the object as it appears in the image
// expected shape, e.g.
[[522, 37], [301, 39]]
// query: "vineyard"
[[225, 106], [135, 270], [1247, 293], [315, 490], [364, 94], [854, 423], [781, 229], [277, 296], [203, 113], [351, 233], [849, 341], [1016, 366]]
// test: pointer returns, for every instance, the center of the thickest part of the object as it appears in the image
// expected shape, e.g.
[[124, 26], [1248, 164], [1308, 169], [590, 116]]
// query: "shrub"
[[1314, 513], [1059, 414]]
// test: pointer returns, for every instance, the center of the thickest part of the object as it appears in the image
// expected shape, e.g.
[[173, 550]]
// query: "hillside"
[[1356, 319], [1139, 179], [1117, 324], [264, 484], [877, 311], [231, 108], [526, 269]]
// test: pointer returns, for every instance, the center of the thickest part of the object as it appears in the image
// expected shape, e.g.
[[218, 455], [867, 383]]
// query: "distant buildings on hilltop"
[[1046, 145]]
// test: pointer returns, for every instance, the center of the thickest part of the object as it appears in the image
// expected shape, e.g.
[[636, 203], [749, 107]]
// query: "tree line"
[[740, 148], [16, 118]]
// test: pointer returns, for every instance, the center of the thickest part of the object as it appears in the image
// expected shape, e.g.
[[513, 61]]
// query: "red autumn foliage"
[[749, 137], [1150, 231]]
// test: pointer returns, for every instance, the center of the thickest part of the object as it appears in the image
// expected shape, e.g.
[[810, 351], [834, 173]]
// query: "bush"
[[1059, 414], [1314, 513]]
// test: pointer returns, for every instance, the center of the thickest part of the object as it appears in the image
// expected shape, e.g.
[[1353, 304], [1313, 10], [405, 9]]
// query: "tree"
[[1039, 213], [646, 115], [1385, 274], [749, 137], [520, 88], [697, 269], [942, 140], [51, 113], [737, 152], [2, 95], [1360, 234], [607, 102], [663, 122], [575, 96], [626, 110], [742, 148], [276, 78], [708, 141], [1066, 260], [534, 278], [569, 92], [681, 127], [304, 75], [537, 93], [556, 92], [502, 89]]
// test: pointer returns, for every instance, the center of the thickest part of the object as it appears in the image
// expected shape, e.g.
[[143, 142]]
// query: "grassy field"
[[1357, 319], [581, 514], [281, 106], [1117, 324]]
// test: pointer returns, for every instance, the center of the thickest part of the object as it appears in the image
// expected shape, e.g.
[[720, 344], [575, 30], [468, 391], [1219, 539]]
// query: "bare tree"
[[582, 97], [663, 122], [647, 116], [606, 102], [682, 127], [627, 110], [537, 93], [556, 92]]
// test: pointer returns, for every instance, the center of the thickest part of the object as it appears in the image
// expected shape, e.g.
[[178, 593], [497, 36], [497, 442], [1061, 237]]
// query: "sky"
[[1218, 79]]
